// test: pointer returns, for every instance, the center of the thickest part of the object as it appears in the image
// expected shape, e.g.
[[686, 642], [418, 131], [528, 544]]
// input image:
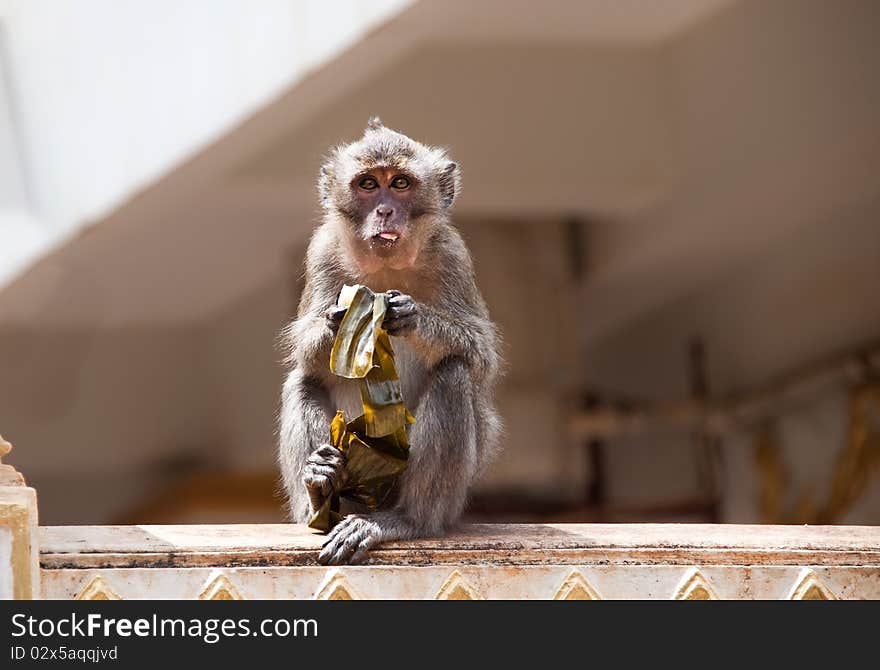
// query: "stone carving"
[[336, 587], [576, 587], [810, 587], [18, 513], [694, 586], [98, 589], [456, 587], [218, 587], [611, 561], [9, 476]]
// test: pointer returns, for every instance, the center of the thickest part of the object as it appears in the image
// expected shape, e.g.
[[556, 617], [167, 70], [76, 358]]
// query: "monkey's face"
[[385, 216], [387, 191], [384, 199]]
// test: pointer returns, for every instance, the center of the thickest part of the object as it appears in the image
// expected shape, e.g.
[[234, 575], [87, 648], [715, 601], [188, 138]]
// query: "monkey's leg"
[[442, 462], [310, 468]]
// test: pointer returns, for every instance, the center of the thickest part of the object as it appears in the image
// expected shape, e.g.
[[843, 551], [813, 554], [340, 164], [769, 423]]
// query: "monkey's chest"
[[411, 369]]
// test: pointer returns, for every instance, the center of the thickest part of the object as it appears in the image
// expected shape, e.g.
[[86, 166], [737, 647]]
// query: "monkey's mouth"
[[386, 239]]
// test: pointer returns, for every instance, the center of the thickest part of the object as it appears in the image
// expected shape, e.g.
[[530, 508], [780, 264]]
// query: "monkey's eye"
[[400, 182], [368, 183]]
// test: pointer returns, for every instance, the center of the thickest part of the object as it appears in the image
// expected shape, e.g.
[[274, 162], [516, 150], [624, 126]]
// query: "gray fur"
[[444, 340]]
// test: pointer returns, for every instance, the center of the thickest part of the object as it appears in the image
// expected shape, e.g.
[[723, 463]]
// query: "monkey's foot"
[[350, 541]]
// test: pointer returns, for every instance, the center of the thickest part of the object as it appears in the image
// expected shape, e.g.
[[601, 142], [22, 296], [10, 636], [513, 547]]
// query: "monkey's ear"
[[449, 183], [374, 123]]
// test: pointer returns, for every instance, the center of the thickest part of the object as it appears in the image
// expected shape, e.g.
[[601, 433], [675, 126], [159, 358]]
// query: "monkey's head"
[[386, 191]]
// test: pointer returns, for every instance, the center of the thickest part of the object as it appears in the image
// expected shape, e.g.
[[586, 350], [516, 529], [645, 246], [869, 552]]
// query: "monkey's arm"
[[470, 337], [309, 338], [437, 334], [311, 469], [303, 430]]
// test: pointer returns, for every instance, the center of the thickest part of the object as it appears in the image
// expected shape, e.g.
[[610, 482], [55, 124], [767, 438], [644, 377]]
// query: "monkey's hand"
[[402, 314], [324, 474], [356, 534], [334, 317]]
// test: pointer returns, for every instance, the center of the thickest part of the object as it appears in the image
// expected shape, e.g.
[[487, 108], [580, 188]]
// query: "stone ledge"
[[269, 545]]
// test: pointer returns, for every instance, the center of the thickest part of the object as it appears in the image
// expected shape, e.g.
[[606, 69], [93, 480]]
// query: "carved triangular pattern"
[[337, 587], [98, 589], [694, 586], [576, 587], [456, 587], [218, 587], [810, 587]]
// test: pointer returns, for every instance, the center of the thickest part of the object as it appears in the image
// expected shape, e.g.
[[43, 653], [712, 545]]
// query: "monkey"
[[386, 223]]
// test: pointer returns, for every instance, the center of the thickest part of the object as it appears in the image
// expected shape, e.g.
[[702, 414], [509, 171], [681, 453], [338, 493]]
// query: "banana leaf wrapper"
[[375, 443], [384, 411], [352, 353], [373, 465]]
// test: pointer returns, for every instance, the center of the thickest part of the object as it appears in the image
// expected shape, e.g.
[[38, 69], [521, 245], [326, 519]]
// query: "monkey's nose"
[[384, 211]]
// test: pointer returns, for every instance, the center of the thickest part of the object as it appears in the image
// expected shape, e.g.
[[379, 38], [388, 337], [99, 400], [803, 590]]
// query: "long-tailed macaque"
[[386, 224]]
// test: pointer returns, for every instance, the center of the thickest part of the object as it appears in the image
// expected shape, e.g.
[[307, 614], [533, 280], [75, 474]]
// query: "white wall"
[[108, 95], [21, 234]]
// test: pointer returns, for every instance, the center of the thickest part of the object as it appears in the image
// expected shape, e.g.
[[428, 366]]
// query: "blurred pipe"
[[720, 417]]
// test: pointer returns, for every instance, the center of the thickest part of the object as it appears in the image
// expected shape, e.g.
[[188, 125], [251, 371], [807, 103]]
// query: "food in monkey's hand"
[[374, 444]]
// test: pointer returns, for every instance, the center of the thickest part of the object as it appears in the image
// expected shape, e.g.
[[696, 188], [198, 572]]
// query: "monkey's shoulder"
[[324, 255]]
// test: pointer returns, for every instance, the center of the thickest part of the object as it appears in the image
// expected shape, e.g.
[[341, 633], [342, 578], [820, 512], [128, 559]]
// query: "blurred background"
[[674, 209]]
